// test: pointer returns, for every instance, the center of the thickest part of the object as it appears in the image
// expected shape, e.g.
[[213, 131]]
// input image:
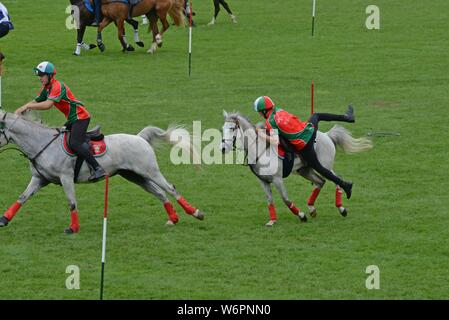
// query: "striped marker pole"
[[2, 57], [105, 223], [313, 17], [190, 37], [313, 98]]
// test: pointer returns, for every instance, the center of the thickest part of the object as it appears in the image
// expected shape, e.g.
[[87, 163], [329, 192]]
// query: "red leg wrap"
[[74, 223], [293, 209], [171, 212], [338, 193], [11, 212], [313, 196], [186, 206], [272, 210]]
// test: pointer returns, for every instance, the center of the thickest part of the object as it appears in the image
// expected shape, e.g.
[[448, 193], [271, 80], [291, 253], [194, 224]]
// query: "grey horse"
[[131, 156], [268, 167]]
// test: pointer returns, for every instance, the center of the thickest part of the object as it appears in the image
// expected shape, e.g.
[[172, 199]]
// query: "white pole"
[[313, 17], [105, 224]]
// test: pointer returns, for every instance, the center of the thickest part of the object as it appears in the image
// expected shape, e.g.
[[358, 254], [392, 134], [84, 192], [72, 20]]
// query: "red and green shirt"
[[290, 127], [64, 100]]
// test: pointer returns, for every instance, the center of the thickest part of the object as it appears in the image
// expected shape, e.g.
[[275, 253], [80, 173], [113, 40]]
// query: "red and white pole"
[[105, 224], [190, 37]]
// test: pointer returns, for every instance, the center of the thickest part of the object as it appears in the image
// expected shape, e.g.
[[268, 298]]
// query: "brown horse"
[[84, 17], [118, 11]]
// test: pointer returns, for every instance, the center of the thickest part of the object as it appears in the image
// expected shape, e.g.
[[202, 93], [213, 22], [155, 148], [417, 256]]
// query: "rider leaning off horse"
[[300, 134], [56, 93]]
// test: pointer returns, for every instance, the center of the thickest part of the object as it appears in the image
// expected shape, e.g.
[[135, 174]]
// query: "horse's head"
[[3, 138], [230, 131]]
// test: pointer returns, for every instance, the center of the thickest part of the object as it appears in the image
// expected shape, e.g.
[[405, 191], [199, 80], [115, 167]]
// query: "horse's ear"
[[225, 114]]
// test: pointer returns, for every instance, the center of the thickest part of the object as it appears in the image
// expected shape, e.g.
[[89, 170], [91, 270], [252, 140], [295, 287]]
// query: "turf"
[[397, 80]]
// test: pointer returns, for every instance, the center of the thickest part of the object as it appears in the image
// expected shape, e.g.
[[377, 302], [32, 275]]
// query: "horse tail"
[[343, 138], [176, 135], [177, 12]]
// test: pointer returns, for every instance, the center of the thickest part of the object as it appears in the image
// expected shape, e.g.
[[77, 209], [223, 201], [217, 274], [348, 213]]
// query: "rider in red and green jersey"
[[56, 93], [302, 134]]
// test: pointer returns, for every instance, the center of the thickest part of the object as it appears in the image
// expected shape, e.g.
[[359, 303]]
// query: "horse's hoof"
[[270, 223], [199, 215], [159, 44], [3, 221], [102, 47], [312, 212], [343, 211], [302, 217], [130, 48], [140, 44], [92, 46], [76, 54], [170, 223], [69, 230], [150, 51]]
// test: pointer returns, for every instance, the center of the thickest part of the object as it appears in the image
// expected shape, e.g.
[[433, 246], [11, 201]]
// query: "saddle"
[[97, 145]]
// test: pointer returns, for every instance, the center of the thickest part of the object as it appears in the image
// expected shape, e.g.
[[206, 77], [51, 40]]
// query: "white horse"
[[131, 156], [268, 167]]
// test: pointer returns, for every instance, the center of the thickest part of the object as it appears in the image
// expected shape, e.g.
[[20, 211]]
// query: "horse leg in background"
[[339, 203], [80, 44], [151, 187], [271, 209], [104, 23], [279, 184], [157, 39], [135, 26], [69, 190], [34, 186], [318, 182], [122, 37], [157, 178], [162, 14]]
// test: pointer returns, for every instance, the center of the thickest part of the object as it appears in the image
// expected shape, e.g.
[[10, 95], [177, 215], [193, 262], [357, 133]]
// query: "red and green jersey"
[[290, 127], [64, 100]]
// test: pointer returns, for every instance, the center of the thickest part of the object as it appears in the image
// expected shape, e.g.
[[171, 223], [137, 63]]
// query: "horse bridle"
[[234, 136]]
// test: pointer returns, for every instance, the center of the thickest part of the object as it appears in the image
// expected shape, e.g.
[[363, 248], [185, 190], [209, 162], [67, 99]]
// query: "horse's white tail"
[[343, 138], [152, 134]]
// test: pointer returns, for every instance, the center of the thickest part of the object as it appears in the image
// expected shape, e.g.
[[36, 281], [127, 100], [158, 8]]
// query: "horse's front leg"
[[279, 184], [35, 184], [104, 23], [122, 37], [69, 190], [271, 209], [157, 39]]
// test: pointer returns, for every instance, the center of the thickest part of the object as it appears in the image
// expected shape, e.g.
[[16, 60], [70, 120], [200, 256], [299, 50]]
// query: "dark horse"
[[85, 18], [118, 11]]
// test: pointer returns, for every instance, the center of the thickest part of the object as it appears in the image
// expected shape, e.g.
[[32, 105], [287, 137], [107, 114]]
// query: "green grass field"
[[396, 78]]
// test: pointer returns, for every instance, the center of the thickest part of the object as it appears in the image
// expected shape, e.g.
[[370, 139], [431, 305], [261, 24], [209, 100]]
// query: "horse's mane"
[[235, 115], [35, 119]]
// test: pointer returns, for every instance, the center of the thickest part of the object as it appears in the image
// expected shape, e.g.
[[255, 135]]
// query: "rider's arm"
[[274, 138], [33, 105]]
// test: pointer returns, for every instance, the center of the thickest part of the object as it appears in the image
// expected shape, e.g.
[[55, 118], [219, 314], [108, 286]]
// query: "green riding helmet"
[[45, 67], [263, 104]]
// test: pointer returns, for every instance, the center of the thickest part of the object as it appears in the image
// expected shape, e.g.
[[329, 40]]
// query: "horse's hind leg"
[[279, 184], [339, 203], [318, 183], [157, 40], [121, 36], [160, 180], [34, 186], [271, 209], [135, 26], [149, 186]]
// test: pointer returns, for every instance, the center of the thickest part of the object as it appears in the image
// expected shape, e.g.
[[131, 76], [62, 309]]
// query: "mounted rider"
[[58, 94], [300, 134]]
